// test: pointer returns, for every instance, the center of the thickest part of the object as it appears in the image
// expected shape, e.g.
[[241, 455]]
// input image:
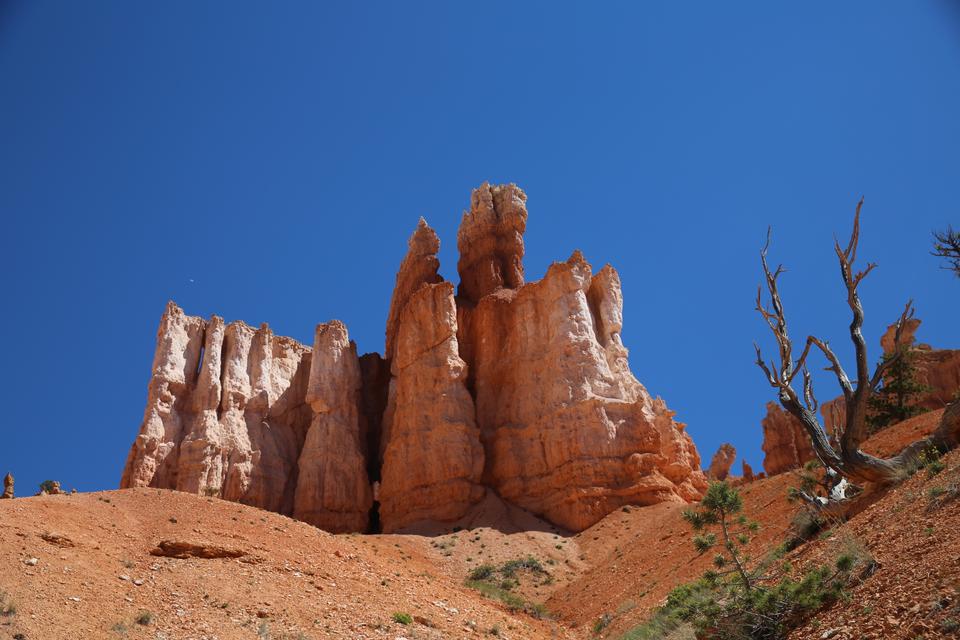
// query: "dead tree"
[[840, 454], [946, 244]]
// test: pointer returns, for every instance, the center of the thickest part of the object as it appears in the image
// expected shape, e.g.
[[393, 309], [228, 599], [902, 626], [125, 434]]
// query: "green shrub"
[[741, 600], [602, 623], [402, 618], [482, 572], [510, 568]]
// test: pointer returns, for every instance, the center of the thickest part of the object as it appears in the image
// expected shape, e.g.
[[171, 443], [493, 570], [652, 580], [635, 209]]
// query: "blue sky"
[[267, 162]]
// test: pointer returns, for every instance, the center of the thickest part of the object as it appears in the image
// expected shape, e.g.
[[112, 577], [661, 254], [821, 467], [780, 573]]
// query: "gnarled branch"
[[844, 457]]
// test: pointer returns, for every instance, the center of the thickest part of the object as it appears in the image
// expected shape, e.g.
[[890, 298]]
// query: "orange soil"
[[635, 558], [295, 579]]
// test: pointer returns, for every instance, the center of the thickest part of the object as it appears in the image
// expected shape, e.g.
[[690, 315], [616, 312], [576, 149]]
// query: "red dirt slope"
[[636, 557], [94, 575]]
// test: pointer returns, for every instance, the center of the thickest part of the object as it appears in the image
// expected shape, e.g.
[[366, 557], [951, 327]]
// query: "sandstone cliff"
[[432, 459], [569, 433], [522, 388], [333, 490]]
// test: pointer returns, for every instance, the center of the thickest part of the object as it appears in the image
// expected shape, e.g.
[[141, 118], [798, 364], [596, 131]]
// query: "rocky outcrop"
[[226, 412], [523, 388], [786, 444], [747, 472], [420, 266], [7, 487], [432, 461], [569, 433], [722, 462], [490, 241], [333, 490], [51, 488], [936, 369]]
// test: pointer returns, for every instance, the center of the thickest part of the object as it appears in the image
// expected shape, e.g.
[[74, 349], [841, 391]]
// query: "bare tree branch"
[[842, 457]]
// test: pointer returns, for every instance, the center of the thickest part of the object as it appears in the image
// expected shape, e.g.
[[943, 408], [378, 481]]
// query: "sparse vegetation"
[[8, 607], [144, 618], [48, 486], [497, 583], [739, 599], [402, 618], [602, 623]]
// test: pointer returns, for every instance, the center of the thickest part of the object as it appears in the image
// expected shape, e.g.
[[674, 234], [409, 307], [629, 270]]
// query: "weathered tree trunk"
[[843, 456]]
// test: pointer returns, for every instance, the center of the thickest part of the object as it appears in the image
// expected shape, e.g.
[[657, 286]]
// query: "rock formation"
[[523, 388], [226, 412], [747, 471], [937, 369], [786, 445], [569, 433], [490, 241], [333, 490], [722, 462], [7, 487], [432, 461], [51, 488]]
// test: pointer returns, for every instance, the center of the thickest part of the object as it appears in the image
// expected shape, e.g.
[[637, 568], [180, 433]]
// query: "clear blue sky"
[[267, 162]]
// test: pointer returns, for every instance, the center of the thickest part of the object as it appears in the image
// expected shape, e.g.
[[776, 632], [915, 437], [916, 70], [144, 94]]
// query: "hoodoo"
[[519, 388]]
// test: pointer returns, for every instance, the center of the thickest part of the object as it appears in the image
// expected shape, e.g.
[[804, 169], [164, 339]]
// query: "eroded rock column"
[[333, 490]]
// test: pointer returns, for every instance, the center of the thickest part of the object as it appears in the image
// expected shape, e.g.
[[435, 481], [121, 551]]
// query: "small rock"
[[829, 633], [125, 578], [138, 582], [74, 599], [31, 561]]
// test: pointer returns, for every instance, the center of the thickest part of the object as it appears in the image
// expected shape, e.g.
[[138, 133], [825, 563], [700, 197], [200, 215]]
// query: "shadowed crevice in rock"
[[375, 377]]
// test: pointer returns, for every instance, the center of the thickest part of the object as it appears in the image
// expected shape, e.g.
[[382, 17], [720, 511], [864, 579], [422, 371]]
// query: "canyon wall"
[[522, 389]]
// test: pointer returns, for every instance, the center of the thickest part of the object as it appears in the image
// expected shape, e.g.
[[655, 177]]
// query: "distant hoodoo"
[[520, 388]]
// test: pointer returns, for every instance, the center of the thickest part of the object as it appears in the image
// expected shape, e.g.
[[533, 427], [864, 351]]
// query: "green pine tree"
[[896, 399]]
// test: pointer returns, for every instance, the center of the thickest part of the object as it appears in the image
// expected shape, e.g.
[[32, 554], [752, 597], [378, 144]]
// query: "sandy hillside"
[[80, 566]]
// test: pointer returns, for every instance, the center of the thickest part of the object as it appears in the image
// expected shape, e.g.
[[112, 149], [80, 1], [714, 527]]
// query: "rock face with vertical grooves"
[[569, 433], [432, 461], [333, 490], [522, 388], [226, 412]]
